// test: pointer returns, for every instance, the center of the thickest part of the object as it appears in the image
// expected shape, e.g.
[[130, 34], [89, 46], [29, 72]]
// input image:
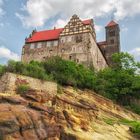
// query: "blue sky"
[[19, 17]]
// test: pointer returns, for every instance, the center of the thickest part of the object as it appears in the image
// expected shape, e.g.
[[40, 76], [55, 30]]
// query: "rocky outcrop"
[[71, 115]]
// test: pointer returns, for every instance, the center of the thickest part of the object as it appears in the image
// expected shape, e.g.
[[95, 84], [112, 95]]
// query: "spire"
[[111, 23]]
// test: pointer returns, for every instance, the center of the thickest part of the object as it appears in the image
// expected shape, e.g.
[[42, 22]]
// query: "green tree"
[[120, 82], [2, 70]]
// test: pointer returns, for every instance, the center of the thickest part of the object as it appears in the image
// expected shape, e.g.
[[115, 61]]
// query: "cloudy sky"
[[19, 17]]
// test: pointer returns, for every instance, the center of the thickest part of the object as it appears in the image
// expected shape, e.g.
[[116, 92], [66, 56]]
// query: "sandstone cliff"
[[71, 114]]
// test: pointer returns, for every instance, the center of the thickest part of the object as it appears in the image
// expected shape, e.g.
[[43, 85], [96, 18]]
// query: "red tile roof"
[[45, 35], [49, 34], [87, 22], [111, 23]]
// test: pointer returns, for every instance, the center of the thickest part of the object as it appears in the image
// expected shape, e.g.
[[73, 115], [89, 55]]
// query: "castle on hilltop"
[[76, 42]]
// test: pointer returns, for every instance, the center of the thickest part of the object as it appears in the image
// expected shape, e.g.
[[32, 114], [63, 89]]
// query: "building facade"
[[75, 42]]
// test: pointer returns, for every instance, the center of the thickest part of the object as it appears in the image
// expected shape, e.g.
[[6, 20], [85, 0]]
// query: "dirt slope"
[[72, 114]]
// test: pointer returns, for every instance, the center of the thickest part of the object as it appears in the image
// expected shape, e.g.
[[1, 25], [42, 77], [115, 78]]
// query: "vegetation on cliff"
[[120, 83]]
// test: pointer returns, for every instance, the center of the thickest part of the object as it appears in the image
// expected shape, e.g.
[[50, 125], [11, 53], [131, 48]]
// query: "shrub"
[[2, 70], [70, 73], [22, 89], [135, 108]]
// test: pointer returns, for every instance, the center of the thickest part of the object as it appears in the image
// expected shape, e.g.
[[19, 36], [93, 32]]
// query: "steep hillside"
[[71, 114]]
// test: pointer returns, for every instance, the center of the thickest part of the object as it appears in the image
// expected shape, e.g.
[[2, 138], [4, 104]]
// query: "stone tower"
[[113, 40]]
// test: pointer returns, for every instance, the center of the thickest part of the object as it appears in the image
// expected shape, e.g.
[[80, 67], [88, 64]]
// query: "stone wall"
[[38, 54], [98, 60], [10, 81]]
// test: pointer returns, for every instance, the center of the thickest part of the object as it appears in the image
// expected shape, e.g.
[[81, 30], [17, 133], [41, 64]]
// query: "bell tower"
[[113, 40]]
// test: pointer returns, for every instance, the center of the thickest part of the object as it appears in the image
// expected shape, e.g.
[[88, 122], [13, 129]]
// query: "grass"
[[134, 125], [109, 121], [22, 89]]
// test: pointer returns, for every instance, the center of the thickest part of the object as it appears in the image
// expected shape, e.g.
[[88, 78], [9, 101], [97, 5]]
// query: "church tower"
[[113, 40]]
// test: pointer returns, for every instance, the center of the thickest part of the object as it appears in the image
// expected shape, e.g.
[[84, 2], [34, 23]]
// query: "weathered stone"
[[8, 123], [30, 134], [70, 118], [14, 100], [8, 84]]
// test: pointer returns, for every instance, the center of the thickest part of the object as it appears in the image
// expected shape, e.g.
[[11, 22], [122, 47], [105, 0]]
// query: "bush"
[[135, 108], [22, 89], [69, 73], [2, 70], [33, 69]]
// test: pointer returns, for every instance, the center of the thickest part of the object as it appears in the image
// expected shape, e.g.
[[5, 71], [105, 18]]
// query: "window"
[[112, 41], [55, 43], [112, 33], [74, 29], [69, 38], [78, 38], [50, 43], [32, 46], [39, 45], [70, 57]]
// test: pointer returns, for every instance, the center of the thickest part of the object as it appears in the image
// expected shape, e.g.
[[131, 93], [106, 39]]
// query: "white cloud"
[[39, 11], [1, 10], [98, 28], [8, 54], [60, 23], [1, 24], [126, 8], [136, 53], [124, 28]]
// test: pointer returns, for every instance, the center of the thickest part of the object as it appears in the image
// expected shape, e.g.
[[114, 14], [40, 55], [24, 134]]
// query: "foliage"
[[135, 108], [69, 73], [109, 121], [33, 69], [120, 82], [2, 70], [134, 125], [22, 89]]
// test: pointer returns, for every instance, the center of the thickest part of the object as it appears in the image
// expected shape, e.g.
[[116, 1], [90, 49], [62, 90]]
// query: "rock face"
[[69, 115]]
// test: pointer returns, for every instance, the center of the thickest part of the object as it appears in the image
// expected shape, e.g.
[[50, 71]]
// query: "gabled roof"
[[47, 35], [111, 23]]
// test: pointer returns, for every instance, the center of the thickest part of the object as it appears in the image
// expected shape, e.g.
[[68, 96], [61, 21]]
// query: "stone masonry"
[[9, 83]]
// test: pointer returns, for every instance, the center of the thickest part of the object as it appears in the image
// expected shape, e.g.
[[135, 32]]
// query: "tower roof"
[[111, 23]]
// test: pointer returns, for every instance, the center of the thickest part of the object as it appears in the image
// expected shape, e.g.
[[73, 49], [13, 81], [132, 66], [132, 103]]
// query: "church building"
[[76, 42]]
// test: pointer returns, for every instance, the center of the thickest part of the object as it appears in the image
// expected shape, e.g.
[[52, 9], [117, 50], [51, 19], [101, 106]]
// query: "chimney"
[[54, 27]]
